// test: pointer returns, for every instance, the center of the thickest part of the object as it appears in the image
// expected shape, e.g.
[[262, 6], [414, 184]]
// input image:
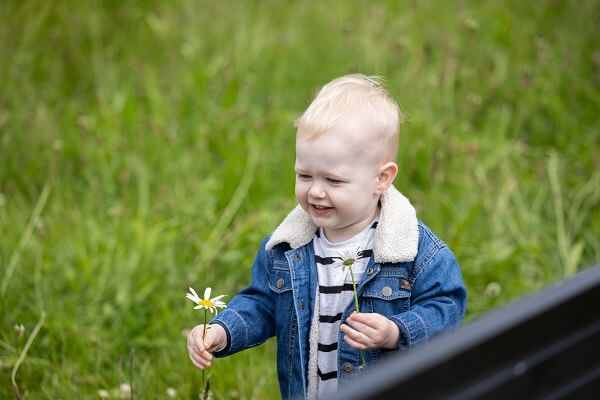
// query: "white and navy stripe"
[[335, 293]]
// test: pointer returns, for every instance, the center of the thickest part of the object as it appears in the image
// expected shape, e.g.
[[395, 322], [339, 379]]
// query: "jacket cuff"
[[236, 330], [413, 329]]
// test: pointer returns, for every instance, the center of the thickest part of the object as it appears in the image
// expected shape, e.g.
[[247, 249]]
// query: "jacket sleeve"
[[249, 317], [438, 299]]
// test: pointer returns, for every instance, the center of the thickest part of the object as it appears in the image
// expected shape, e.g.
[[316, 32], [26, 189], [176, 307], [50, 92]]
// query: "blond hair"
[[351, 96]]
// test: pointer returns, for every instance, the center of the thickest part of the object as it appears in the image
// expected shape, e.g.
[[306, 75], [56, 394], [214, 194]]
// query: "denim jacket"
[[412, 278]]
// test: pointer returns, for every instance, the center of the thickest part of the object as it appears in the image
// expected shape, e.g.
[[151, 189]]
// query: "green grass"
[[148, 147]]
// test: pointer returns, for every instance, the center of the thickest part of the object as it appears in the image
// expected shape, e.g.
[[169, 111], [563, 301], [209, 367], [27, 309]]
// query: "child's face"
[[336, 177]]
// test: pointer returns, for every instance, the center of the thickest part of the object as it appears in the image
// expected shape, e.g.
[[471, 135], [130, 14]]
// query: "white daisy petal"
[[197, 307], [207, 293], [194, 292], [192, 298]]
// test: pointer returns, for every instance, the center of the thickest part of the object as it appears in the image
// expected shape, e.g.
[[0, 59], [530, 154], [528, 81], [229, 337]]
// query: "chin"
[[319, 222]]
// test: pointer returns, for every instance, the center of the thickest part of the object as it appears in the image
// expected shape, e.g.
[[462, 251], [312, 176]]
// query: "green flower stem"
[[362, 355], [203, 336], [354, 289]]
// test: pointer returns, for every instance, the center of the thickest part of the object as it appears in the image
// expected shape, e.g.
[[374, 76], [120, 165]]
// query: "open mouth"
[[320, 209]]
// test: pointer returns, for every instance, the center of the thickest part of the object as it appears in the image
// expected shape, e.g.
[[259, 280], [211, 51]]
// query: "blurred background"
[[147, 146]]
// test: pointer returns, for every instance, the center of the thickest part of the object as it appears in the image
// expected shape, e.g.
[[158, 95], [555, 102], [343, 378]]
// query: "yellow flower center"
[[206, 303]]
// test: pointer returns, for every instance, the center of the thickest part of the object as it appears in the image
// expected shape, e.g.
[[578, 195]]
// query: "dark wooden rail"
[[544, 346]]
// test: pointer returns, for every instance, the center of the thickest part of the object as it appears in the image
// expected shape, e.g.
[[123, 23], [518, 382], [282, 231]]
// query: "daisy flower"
[[347, 259], [207, 303]]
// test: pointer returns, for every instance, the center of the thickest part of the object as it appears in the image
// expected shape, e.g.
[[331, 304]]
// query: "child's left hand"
[[370, 331]]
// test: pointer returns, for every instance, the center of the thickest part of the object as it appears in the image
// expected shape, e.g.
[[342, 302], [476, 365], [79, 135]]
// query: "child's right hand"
[[200, 349]]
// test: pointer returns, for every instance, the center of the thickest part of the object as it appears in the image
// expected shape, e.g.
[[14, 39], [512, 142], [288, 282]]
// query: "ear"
[[385, 176]]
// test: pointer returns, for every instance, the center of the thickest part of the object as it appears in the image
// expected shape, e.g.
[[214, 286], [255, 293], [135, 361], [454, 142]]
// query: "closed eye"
[[334, 181], [303, 176]]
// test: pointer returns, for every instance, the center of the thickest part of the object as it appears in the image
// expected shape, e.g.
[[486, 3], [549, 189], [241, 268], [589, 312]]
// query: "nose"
[[316, 191]]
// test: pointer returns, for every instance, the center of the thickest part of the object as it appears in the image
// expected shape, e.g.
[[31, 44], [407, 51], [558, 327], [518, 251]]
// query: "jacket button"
[[386, 291], [302, 306], [297, 257], [280, 283], [370, 271], [347, 368]]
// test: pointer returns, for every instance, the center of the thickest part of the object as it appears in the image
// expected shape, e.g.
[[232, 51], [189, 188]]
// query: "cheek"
[[300, 191], [343, 201], [353, 199]]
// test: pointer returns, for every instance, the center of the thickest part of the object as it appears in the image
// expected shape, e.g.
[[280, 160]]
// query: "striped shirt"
[[335, 293]]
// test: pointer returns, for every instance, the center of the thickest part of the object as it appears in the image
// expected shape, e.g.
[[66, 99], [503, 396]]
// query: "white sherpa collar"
[[396, 235]]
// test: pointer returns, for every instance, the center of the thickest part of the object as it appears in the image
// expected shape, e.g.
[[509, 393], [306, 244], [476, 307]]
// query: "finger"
[[195, 336], [370, 319], [200, 337], [199, 352], [359, 323], [199, 361], [209, 340], [202, 357], [355, 335], [354, 344], [362, 328], [195, 345], [198, 364]]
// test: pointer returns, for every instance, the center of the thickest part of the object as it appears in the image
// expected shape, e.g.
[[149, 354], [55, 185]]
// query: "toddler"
[[353, 241]]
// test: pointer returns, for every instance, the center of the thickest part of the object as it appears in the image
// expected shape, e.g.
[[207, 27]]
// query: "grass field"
[[148, 146]]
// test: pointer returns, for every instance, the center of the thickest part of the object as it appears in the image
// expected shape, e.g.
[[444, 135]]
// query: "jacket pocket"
[[280, 280], [280, 284], [387, 295]]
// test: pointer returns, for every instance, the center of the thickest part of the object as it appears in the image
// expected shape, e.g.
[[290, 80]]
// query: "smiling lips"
[[320, 210]]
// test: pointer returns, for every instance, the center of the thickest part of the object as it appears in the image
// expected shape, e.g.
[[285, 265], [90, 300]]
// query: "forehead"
[[331, 152]]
